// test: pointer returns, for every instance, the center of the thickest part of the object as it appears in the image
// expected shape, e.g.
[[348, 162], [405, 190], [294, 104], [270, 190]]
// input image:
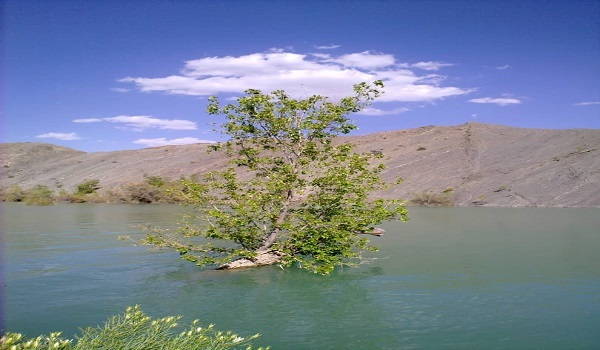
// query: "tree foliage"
[[291, 189]]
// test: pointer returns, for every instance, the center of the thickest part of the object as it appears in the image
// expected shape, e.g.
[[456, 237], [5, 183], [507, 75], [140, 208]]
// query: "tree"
[[292, 194]]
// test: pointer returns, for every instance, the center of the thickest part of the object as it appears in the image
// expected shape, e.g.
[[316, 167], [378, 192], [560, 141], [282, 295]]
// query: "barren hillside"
[[484, 164]]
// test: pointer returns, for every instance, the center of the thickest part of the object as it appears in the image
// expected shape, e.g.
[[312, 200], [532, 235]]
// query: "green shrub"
[[448, 190], [39, 195], [65, 197], [141, 193], [155, 181], [14, 194], [434, 199], [87, 187], [154, 191], [134, 330]]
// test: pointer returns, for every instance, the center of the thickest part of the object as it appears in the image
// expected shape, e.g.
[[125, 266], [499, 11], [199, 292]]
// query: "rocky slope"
[[484, 164]]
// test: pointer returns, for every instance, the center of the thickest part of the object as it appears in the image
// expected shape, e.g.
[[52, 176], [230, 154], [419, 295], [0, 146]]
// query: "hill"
[[479, 164]]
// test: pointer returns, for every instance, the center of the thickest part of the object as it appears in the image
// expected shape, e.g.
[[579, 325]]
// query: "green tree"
[[292, 193]]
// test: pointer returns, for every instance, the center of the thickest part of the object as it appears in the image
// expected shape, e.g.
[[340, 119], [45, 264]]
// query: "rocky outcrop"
[[262, 259]]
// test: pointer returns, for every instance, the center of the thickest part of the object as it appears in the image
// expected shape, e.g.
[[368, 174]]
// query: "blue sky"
[[111, 75]]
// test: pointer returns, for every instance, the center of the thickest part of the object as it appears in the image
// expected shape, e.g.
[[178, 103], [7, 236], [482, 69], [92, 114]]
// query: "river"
[[450, 278]]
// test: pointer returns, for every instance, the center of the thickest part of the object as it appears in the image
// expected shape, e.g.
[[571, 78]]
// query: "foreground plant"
[[134, 330], [292, 194]]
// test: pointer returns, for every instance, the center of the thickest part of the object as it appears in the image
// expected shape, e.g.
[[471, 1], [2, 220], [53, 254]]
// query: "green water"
[[451, 278]]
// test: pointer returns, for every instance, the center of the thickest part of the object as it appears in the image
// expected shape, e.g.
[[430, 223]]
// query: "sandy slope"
[[488, 165]]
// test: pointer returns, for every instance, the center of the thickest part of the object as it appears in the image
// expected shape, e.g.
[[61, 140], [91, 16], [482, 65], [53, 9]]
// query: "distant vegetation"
[[38, 195], [88, 187], [431, 198], [154, 189], [134, 330], [13, 194]]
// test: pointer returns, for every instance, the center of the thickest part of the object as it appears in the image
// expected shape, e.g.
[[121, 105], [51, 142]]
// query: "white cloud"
[[164, 142], [364, 60], [322, 56], [60, 136], [87, 120], [142, 122], [327, 47], [120, 89], [429, 65], [499, 101], [281, 49], [301, 75], [375, 111], [504, 67], [587, 103]]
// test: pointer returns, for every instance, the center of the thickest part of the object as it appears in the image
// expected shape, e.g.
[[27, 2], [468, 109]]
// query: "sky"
[[111, 75]]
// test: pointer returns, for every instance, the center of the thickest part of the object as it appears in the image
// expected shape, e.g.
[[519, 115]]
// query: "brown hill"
[[481, 164]]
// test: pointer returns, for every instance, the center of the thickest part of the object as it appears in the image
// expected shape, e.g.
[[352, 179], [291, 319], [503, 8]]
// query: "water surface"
[[450, 278]]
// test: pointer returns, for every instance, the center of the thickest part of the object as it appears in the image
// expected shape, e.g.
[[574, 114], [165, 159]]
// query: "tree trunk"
[[265, 255], [375, 232], [272, 238]]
